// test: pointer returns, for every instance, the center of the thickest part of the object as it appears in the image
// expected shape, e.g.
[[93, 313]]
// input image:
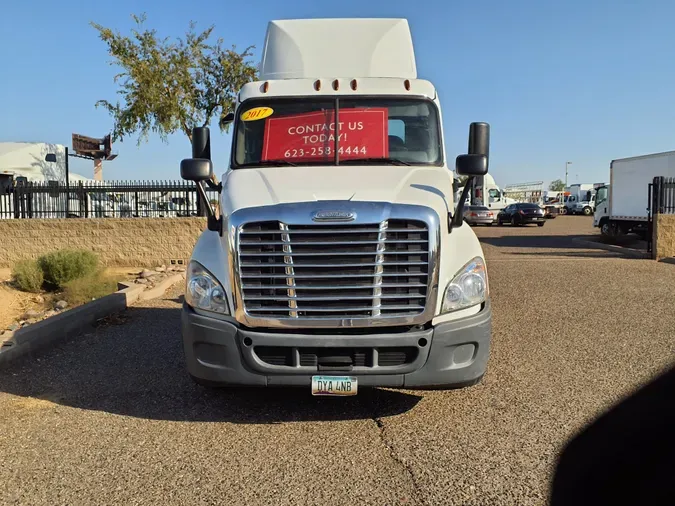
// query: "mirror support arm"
[[201, 148], [214, 186], [458, 218], [213, 222]]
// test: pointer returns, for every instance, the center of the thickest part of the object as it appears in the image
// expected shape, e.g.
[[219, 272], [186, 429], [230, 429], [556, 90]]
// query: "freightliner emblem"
[[333, 216]]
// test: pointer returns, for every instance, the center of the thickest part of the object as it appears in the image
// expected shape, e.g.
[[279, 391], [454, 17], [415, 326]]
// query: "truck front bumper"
[[450, 354]]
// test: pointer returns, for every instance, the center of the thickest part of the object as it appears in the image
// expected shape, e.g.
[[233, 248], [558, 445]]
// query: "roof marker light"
[[336, 85], [265, 87], [353, 84], [317, 84], [406, 83]]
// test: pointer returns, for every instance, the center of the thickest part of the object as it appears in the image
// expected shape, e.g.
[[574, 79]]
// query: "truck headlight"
[[203, 291], [468, 288]]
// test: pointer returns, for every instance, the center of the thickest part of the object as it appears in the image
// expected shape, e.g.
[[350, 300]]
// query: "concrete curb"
[[57, 328], [162, 287], [634, 253]]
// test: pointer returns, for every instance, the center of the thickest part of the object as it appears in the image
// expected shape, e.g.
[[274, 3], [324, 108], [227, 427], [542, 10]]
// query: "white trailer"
[[37, 162], [622, 205]]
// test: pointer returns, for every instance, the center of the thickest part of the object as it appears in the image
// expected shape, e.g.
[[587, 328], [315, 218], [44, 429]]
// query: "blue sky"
[[577, 80]]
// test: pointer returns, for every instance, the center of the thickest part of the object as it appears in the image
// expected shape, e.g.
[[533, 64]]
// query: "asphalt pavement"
[[113, 418]]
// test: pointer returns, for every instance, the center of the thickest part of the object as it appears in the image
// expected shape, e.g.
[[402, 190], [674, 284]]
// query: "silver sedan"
[[479, 215]]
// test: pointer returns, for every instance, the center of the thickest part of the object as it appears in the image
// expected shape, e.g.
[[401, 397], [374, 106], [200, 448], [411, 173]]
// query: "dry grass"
[[28, 276], [63, 266], [87, 288]]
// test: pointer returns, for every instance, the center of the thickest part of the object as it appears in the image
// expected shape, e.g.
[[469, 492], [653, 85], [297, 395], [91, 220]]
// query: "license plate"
[[483, 215], [338, 386]]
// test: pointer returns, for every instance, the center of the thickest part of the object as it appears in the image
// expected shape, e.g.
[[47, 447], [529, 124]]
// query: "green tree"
[[168, 86], [557, 185]]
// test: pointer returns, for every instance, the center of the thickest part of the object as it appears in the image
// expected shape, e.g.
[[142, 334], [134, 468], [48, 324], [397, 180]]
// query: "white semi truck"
[[491, 195], [622, 205], [580, 199], [486, 192], [337, 258], [585, 206]]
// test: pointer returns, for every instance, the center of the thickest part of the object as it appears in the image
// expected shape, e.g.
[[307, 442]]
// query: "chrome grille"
[[334, 271]]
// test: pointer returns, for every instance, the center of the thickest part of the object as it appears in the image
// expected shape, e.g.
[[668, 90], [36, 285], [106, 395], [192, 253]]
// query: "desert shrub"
[[28, 276], [63, 266], [86, 288]]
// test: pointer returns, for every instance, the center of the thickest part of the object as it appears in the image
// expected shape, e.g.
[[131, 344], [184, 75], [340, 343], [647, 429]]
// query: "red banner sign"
[[363, 133]]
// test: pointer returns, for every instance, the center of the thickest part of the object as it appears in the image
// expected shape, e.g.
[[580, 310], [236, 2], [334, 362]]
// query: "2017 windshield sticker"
[[303, 137], [257, 113]]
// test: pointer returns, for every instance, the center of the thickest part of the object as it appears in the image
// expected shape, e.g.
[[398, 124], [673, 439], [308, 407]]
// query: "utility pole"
[[567, 164]]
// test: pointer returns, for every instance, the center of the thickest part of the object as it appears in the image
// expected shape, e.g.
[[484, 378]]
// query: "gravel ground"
[[112, 418]]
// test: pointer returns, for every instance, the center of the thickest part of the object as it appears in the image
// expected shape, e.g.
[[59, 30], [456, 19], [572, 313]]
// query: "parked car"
[[521, 214], [479, 215]]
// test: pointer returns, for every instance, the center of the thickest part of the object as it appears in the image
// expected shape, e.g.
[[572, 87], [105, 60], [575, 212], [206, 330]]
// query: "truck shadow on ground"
[[625, 456], [559, 242], [136, 368]]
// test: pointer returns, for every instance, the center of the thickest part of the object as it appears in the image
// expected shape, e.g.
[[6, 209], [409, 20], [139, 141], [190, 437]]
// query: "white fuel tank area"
[[313, 48]]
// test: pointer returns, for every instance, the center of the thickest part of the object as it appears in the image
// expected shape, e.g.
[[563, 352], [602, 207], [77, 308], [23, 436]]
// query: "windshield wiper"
[[368, 161], [269, 163]]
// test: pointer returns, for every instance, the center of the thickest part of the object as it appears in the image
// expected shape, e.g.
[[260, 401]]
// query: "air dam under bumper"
[[448, 355]]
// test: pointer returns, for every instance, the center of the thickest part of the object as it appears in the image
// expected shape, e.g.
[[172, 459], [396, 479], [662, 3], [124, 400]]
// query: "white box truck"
[[337, 259], [622, 205]]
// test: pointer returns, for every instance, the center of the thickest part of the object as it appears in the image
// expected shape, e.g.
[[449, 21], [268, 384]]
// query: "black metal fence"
[[119, 199], [663, 190]]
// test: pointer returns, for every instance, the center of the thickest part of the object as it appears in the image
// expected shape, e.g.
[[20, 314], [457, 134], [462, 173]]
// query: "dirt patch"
[[15, 303]]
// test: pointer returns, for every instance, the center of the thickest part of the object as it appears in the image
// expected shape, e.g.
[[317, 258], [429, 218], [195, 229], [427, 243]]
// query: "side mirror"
[[196, 169], [479, 139], [51, 157], [201, 143], [471, 165], [476, 162]]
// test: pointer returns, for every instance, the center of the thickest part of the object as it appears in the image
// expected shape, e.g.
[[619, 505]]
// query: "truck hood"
[[429, 186]]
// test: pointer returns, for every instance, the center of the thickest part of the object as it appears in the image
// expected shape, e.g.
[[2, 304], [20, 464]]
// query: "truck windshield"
[[293, 132]]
